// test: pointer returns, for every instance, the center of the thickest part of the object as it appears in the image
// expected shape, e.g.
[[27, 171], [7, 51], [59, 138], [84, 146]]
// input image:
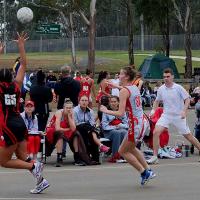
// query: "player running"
[[130, 101]]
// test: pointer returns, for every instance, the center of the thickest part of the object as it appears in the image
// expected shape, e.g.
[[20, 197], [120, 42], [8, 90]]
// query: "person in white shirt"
[[175, 101], [31, 121], [115, 81]]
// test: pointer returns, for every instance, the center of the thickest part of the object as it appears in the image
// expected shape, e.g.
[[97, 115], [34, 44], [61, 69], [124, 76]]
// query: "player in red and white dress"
[[130, 102], [104, 87], [87, 87]]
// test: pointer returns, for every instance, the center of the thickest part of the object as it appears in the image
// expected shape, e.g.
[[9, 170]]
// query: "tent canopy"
[[153, 66]]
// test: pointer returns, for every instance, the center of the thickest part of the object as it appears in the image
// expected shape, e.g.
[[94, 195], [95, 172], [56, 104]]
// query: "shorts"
[[14, 131], [176, 121], [33, 144], [141, 128]]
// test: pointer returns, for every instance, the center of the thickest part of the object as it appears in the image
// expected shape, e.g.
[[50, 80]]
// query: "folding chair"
[[42, 149]]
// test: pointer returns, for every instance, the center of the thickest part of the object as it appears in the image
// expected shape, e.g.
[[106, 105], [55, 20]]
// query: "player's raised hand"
[[21, 38]]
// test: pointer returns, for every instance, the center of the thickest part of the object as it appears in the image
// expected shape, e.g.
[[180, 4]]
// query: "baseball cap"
[[27, 103]]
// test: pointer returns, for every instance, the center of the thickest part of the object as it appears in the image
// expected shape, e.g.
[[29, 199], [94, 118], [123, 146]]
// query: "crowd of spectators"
[[75, 122]]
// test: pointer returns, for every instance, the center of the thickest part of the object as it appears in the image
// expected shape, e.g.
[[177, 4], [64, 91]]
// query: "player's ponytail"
[[6, 75]]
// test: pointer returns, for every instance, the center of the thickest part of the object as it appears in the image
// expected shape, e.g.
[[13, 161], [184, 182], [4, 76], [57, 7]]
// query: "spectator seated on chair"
[[31, 121], [64, 128], [114, 128], [147, 95], [85, 124]]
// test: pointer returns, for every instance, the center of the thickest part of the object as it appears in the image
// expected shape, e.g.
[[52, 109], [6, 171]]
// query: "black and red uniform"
[[12, 126]]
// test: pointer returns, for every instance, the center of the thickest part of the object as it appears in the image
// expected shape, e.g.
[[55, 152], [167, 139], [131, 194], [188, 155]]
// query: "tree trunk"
[[91, 40], [167, 45], [73, 40], [130, 32], [188, 51]]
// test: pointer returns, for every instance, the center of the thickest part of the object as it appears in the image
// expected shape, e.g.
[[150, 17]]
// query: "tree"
[[183, 13], [130, 21], [157, 11], [128, 5], [91, 24]]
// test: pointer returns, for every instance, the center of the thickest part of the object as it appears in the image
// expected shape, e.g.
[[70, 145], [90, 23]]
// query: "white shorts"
[[141, 129], [176, 121]]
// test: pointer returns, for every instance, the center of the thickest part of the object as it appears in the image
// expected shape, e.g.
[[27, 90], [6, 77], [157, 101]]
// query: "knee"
[[59, 143]]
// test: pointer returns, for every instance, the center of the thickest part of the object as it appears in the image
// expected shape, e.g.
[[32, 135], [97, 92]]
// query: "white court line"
[[39, 199], [102, 168]]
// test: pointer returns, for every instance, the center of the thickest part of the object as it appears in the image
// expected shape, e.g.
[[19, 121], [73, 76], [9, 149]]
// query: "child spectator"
[[31, 122]]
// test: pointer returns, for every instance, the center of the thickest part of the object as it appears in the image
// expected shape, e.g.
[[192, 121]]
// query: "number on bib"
[[85, 88], [137, 101], [10, 100]]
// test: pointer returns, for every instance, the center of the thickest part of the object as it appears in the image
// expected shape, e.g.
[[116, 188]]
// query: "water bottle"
[[101, 157], [187, 149]]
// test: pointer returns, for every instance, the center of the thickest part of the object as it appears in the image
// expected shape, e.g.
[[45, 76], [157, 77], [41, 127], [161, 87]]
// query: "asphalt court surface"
[[176, 179]]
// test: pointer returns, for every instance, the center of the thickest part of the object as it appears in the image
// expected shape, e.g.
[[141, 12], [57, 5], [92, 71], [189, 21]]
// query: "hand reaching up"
[[21, 38]]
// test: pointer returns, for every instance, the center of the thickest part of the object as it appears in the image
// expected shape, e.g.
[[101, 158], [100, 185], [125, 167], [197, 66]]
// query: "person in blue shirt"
[[114, 128]]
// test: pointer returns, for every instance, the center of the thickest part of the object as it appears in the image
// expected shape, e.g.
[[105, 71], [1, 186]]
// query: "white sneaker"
[[37, 171], [40, 187], [121, 161], [153, 160]]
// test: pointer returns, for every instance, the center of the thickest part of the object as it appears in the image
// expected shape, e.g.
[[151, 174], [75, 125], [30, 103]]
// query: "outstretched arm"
[[21, 39]]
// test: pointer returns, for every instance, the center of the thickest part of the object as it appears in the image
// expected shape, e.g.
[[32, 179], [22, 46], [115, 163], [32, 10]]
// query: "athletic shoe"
[[153, 160], [121, 161], [153, 175], [40, 187], [37, 171], [149, 174], [79, 163], [104, 148], [58, 164]]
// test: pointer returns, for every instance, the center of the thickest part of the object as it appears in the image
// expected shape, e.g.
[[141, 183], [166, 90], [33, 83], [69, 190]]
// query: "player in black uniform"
[[12, 128]]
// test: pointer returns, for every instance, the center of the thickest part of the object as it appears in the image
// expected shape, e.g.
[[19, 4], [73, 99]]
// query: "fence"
[[151, 42]]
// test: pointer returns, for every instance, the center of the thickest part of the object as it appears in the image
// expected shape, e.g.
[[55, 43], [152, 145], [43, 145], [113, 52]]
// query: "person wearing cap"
[[31, 121]]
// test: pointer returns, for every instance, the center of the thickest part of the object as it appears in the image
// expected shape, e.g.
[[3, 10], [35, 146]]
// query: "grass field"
[[106, 60]]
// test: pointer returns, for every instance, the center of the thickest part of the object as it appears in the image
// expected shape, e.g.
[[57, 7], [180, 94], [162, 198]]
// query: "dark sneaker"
[[58, 164], [149, 174], [79, 163]]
